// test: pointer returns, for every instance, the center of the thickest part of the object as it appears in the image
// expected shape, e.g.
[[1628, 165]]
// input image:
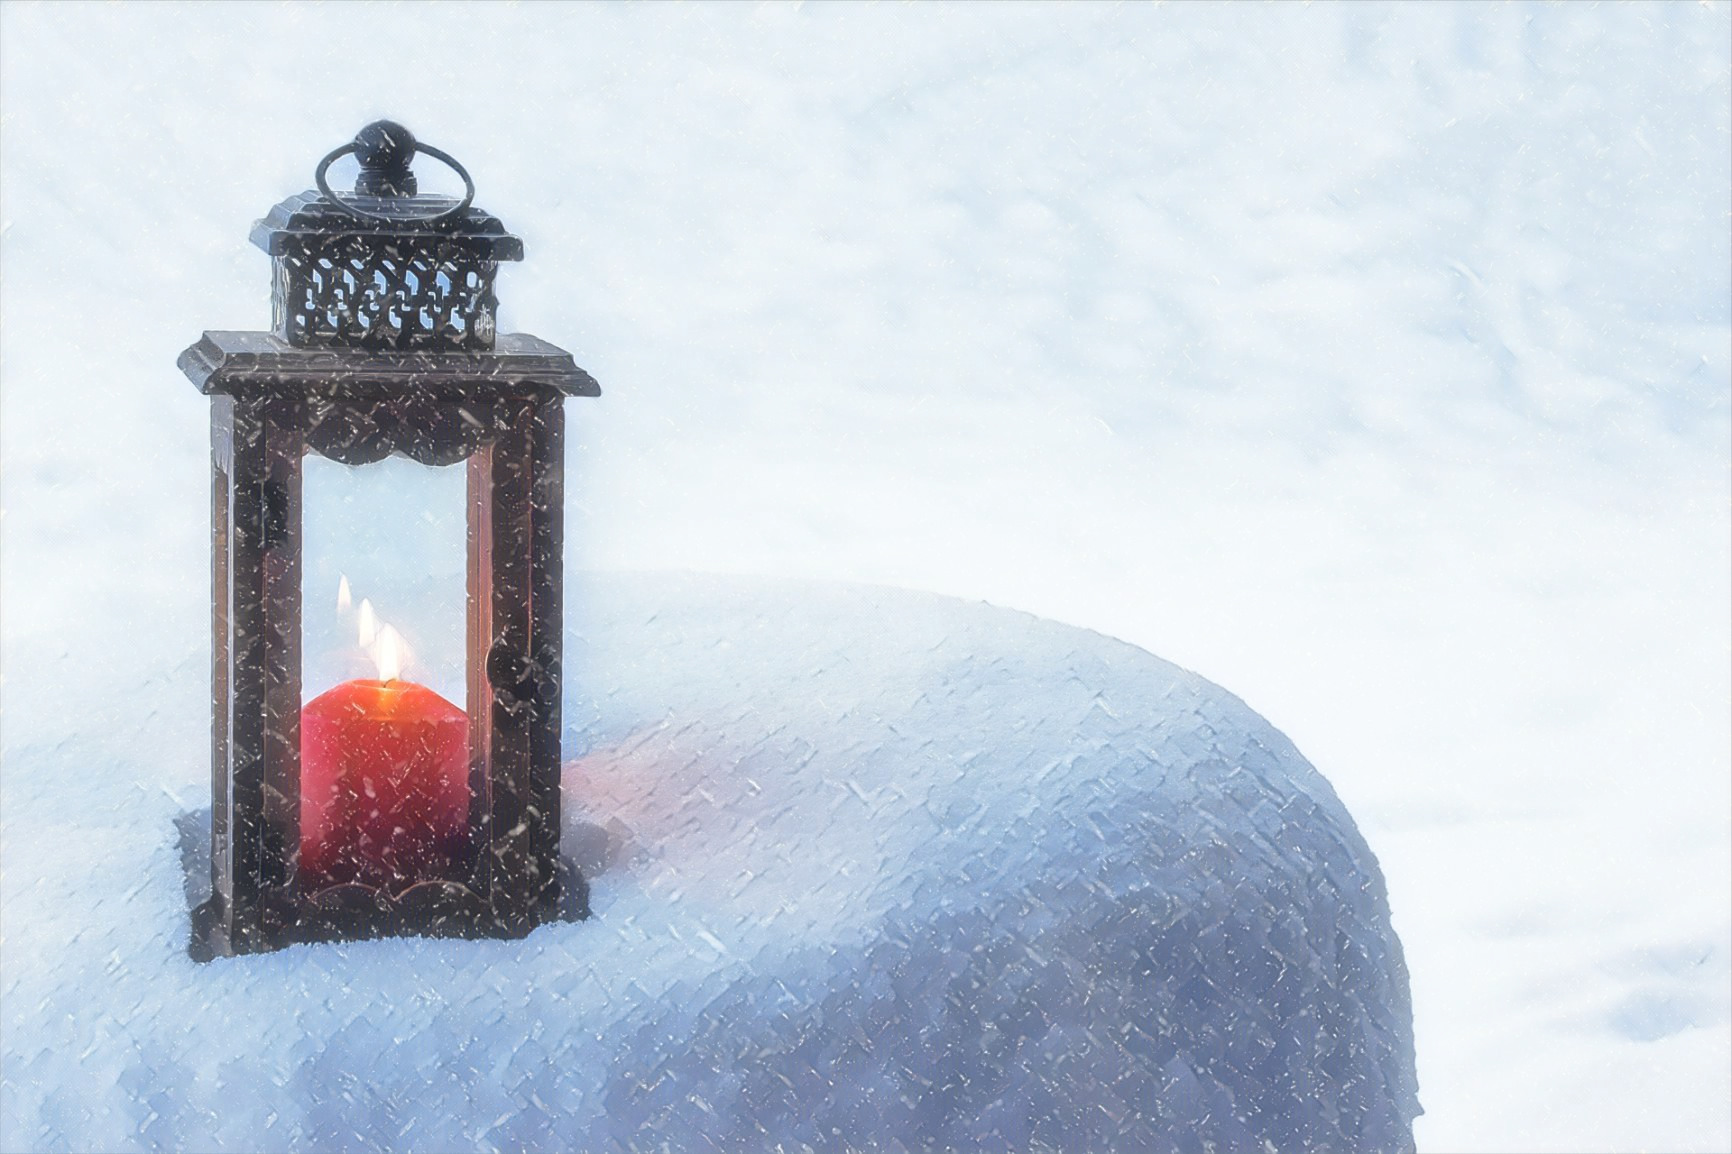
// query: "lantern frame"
[[437, 399]]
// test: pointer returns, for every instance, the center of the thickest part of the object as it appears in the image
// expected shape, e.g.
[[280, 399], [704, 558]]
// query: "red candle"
[[384, 785]]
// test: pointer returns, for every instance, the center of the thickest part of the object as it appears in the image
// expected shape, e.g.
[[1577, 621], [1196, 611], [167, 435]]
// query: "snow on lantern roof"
[[309, 216]]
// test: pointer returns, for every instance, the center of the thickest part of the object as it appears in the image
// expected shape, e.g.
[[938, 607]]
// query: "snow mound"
[[869, 869]]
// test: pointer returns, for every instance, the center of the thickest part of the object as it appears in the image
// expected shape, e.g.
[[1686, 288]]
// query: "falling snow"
[[1373, 361]]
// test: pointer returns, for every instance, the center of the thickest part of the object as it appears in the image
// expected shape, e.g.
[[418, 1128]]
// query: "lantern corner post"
[[517, 621], [547, 643], [256, 448]]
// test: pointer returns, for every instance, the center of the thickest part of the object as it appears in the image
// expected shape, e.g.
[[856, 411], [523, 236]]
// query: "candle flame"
[[381, 642], [388, 653]]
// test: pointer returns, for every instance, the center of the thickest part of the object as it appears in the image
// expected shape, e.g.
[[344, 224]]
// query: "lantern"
[[392, 801]]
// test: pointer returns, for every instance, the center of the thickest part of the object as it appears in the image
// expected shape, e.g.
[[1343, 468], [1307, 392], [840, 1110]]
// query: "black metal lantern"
[[434, 819]]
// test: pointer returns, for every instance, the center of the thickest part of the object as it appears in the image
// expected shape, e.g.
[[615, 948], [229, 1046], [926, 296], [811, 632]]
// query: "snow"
[[1372, 362], [868, 867]]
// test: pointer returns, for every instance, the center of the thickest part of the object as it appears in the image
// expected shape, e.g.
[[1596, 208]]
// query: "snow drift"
[[869, 868]]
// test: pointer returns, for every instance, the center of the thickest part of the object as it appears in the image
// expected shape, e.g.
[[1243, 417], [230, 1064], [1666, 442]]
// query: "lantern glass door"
[[386, 750]]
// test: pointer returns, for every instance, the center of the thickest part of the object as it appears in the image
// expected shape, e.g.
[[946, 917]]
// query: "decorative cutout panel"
[[368, 291]]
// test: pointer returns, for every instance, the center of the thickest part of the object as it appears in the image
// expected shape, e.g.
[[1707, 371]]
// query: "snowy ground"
[[871, 870], [1372, 362]]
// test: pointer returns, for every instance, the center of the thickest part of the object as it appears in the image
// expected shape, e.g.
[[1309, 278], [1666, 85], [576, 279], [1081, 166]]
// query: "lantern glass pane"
[[384, 545], [385, 749]]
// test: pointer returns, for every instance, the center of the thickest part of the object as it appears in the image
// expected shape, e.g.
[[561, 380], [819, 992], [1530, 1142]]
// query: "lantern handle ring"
[[363, 214]]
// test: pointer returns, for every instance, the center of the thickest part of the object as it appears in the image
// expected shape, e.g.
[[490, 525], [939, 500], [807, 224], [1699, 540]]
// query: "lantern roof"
[[386, 203], [233, 362]]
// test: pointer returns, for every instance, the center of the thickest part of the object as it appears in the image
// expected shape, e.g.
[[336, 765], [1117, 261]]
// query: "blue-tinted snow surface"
[[870, 869]]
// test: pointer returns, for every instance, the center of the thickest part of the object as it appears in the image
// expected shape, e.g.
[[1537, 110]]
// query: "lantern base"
[[348, 913]]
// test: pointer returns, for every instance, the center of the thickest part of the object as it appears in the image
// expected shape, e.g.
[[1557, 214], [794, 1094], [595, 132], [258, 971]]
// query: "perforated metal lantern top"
[[384, 267]]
